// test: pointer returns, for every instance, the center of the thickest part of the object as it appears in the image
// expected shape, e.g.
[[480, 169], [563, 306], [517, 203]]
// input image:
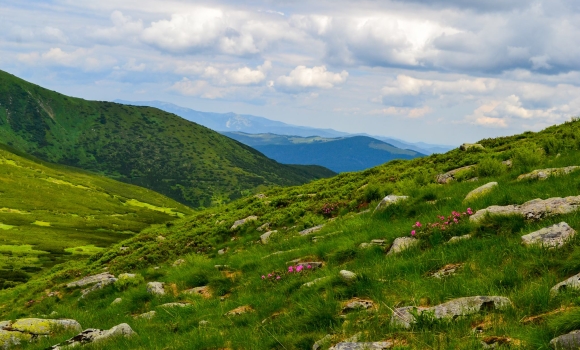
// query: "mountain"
[[52, 213], [139, 145], [338, 154], [232, 122]]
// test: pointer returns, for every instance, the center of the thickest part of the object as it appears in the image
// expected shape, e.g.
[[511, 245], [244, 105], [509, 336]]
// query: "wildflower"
[[299, 268], [277, 277], [418, 224], [263, 276], [469, 211], [455, 219], [269, 275], [309, 266], [290, 268], [413, 233]]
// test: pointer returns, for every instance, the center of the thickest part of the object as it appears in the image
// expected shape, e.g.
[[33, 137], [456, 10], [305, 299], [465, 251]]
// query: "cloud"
[[406, 112], [200, 88], [46, 34], [301, 78], [84, 59], [124, 29]]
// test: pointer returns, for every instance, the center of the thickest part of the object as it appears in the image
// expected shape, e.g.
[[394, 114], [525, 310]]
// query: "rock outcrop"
[[450, 175], [533, 210], [456, 239], [156, 288], [99, 285], [265, 238], [90, 280], [381, 345], [347, 276], [402, 243], [570, 283], [240, 222], [28, 329], [311, 230], [480, 191], [570, 341], [447, 270], [388, 200], [374, 242], [554, 236], [93, 335], [543, 174], [357, 304]]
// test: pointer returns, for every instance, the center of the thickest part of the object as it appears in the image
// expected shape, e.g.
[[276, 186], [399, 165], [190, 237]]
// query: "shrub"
[[489, 167], [197, 280], [551, 145], [372, 193], [124, 282], [527, 157]]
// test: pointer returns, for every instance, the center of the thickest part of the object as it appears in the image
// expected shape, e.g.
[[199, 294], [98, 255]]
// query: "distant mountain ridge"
[[232, 122]]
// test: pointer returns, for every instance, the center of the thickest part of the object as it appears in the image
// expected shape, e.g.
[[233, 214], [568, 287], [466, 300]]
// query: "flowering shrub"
[[274, 276], [446, 226], [329, 209]]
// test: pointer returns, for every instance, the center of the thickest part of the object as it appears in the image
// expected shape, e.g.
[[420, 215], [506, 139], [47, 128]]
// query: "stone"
[[449, 176], [40, 326], [265, 238], [570, 341], [222, 251], [321, 342], [316, 281], [160, 238], [456, 239], [90, 280], [240, 311], [123, 248], [357, 304], [147, 315], [402, 243], [9, 339], [374, 242], [93, 335], [170, 305], [97, 286], [203, 323], [239, 223], [203, 291], [535, 209], [264, 227], [543, 174], [480, 191], [494, 342], [260, 196], [127, 276], [554, 236], [403, 316], [388, 200], [311, 230], [473, 179], [507, 163], [156, 288], [347, 276], [447, 270], [570, 283], [178, 262], [468, 146], [381, 345]]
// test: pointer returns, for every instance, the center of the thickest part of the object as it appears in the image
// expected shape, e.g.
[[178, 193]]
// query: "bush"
[[124, 282], [372, 193], [197, 280], [552, 146], [527, 157], [489, 167]]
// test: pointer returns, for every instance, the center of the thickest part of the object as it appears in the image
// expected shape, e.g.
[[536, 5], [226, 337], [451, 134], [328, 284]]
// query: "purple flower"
[[263, 276], [277, 277]]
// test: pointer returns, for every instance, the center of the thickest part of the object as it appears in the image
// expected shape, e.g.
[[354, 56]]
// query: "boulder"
[[265, 238], [321, 342], [468, 146], [316, 281], [402, 243], [203, 291], [117, 301], [543, 174], [239, 223], [9, 339], [388, 200], [357, 304], [93, 335], [240, 311], [147, 315], [40, 326], [450, 175], [381, 345], [570, 341], [374, 242], [99, 285], [447, 270], [480, 191], [311, 230], [170, 305], [455, 239], [156, 288], [347, 276], [403, 316], [127, 276], [554, 236], [264, 227], [533, 210], [178, 262], [91, 280], [494, 342], [571, 283]]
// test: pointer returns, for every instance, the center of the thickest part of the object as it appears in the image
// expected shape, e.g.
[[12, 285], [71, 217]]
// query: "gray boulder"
[[402, 243], [99, 285], [265, 238], [571, 283], [311, 230], [93, 335], [570, 341], [170, 305], [178, 262], [554, 236], [388, 200], [321, 342], [91, 280], [9, 339], [534, 210], [381, 345], [347, 276], [147, 315], [450, 175], [480, 191], [456, 239], [156, 288], [403, 316], [543, 174], [240, 222]]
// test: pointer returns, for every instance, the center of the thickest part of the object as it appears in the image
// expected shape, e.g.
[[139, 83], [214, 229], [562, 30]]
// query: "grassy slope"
[[51, 213], [139, 145], [495, 261]]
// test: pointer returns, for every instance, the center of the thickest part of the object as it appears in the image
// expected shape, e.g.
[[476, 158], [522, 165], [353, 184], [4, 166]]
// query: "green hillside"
[[139, 145], [240, 272], [50, 214]]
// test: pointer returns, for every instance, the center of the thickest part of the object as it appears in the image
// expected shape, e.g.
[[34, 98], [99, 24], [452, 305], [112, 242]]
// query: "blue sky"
[[446, 71]]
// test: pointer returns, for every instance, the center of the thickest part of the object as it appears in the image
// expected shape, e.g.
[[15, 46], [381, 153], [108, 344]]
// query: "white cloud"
[[302, 77], [402, 111], [84, 59], [199, 88], [124, 29]]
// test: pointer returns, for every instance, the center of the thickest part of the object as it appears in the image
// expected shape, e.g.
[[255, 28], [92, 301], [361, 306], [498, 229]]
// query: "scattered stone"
[[493, 342], [374, 242], [174, 305], [90, 280], [316, 281], [543, 174], [381, 345], [468, 146], [347, 276], [447, 270], [357, 304], [222, 251], [402, 243], [123, 248], [97, 286], [473, 179], [507, 163], [40, 326], [455, 239], [203, 291], [92, 335], [554, 236], [240, 310], [534, 210], [388, 200], [178, 262], [117, 301], [239, 223], [147, 315], [9, 339], [311, 230], [571, 283], [321, 342], [156, 288], [264, 227], [480, 191], [265, 238], [450, 175], [403, 316], [203, 323], [570, 341], [313, 264]]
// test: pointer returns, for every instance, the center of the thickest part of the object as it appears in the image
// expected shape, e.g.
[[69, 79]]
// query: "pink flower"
[[290, 268], [456, 221], [469, 211], [277, 277], [418, 224], [413, 233], [299, 268], [309, 266], [263, 276], [269, 275]]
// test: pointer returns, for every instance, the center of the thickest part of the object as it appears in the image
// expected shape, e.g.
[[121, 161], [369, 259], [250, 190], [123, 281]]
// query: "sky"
[[446, 72]]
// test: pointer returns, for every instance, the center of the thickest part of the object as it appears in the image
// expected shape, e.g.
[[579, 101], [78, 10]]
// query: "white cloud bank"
[[302, 78]]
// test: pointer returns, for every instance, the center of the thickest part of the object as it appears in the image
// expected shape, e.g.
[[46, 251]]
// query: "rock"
[[97, 286], [347, 276], [222, 251], [265, 238], [388, 200], [239, 223], [9, 339], [571, 283], [117, 301], [40, 326], [473, 179], [554, 236], [311, 230], [357, 304], [316, 281], [570, 341], [147, 315], [543, 174], [279, 252], [493, 342], [450, 175], [90, 280], [203, 291], [455, 239], [178, 262], [263, 227], [127, 276], [365, 245], [321, 342], [160, 238], [403, 316], [533, 210], [507, 163], [480, 191], [468, 146], [374, 242], [240, 310], [447, 270], [174, 305], [155, 288], [123, 248], [381, 345], [92, 335], [402, 243], [203, 323]]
